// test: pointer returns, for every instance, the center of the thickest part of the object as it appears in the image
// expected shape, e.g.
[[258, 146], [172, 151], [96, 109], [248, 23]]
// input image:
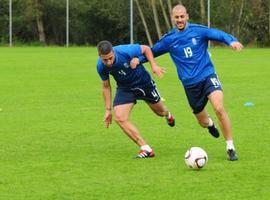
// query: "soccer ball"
[[196, 158]]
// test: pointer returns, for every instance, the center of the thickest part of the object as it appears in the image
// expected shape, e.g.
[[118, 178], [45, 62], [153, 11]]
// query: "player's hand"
[[134, 62], [159, 71], [108, 118], [236, 46]]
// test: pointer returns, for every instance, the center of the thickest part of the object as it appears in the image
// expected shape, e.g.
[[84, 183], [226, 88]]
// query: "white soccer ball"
[[196, 158]]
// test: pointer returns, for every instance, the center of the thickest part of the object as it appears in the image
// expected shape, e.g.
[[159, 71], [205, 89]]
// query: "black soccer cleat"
[[232, 155], [170, 121], [145, 154], [213, 131]]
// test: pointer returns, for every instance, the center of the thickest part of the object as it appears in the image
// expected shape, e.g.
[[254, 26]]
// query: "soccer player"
[[133, 83], [187, 44]]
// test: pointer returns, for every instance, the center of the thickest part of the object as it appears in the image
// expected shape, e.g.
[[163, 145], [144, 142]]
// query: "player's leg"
[[122, 119], [161, 110], [202, 118], [152, 97], [206, 122], [197, 100], [217, 100], [123, 103]]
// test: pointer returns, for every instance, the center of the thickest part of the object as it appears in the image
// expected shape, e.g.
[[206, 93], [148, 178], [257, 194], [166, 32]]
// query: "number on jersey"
[[188, 52]]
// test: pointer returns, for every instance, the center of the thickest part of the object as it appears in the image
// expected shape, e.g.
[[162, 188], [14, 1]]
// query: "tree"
[[268, 21], [165, 16], [4, 23], [39, 19], [156, 18], [43, 21], [240, 17], [202, 9], [169, 2], [144, 24]]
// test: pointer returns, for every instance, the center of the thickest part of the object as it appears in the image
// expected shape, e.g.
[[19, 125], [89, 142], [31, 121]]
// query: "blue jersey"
[[124, 75], [188, 50]]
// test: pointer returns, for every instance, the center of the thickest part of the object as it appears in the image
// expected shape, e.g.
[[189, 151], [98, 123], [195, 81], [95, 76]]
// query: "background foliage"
[[44, 21]]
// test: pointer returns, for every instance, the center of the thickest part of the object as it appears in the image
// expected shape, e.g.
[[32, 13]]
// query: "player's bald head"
[[179, 7], [179, 17]]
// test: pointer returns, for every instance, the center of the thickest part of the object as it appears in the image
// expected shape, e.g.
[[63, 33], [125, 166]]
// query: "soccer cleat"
[[170, 120], [232, 155], [213, 131], [145, 154]]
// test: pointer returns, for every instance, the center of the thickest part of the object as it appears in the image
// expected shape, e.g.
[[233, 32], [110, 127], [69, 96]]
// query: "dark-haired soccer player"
[[187, 44], [133, 83]]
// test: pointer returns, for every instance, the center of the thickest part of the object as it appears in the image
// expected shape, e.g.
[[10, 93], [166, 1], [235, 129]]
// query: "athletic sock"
[[210, 123], [146, 148], [230, 145], [169, 115]]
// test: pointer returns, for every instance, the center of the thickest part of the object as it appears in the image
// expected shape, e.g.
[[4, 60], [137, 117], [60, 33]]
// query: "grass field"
[[54, 146]]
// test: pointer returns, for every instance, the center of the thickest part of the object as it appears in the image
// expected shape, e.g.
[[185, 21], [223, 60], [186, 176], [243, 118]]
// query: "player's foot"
[[213, 131], [232, 155], [170, 120], [145, 154]]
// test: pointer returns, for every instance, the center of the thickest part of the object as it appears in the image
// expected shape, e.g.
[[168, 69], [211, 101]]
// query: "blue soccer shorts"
[[197, 94], [147, 93]]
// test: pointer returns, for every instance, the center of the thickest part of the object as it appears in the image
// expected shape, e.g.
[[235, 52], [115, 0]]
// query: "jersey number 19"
[[188, 52]]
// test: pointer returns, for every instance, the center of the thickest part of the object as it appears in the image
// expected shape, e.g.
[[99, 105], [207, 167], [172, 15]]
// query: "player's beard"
[[180, 26]]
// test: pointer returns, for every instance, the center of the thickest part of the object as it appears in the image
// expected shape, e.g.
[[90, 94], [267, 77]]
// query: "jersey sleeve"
[[133, 50], [102, 73], [216, 35]]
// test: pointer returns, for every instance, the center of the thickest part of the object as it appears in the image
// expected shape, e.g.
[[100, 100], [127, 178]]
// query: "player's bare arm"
[[159, 71], [106, 89]]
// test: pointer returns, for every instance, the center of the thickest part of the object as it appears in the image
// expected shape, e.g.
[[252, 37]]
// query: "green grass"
[[54, 146]]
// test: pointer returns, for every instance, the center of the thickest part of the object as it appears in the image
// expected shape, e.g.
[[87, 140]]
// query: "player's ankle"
[[146, 147], [210, 122], [229, 145], [169, 115]]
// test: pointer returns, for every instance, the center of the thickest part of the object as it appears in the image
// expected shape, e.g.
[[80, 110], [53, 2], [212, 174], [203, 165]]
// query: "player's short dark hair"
[[104, 47]]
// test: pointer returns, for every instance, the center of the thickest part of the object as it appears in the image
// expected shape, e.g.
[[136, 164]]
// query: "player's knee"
[[119, 119], [219, 110]]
